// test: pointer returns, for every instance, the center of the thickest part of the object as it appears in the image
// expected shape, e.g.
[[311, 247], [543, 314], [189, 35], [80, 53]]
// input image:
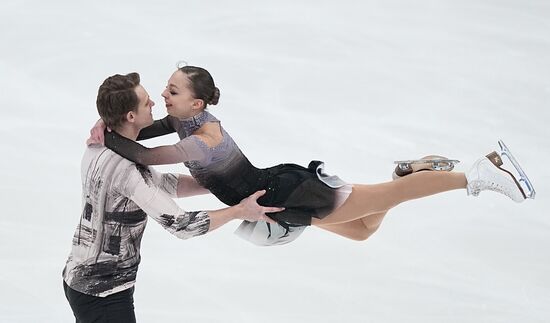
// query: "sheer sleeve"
[[187, 149], [159, 128]]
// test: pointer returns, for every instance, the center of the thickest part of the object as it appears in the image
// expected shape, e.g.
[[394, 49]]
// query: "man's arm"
[[179, 185], [152, 199], [188, 186], [248, 210]]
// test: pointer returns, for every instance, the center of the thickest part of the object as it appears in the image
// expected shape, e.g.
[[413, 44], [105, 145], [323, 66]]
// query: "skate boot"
[[432, 162], [486, 174]]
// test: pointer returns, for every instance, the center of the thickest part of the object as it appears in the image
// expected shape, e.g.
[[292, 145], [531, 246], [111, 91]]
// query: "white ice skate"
[[487, 174]]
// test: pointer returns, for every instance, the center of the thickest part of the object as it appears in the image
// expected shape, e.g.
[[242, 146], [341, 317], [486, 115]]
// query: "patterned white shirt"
[[117, 196]]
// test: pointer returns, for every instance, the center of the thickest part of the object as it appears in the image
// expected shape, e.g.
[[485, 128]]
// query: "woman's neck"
[[191, 124], [193, 114]]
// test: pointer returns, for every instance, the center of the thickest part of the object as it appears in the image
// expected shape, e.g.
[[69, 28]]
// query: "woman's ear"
[[198, 104]]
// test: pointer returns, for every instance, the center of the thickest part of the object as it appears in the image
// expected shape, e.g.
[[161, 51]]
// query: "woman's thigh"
[[359, 229]]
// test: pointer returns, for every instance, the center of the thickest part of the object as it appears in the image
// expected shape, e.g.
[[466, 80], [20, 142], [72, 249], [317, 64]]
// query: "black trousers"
[[117, 307]]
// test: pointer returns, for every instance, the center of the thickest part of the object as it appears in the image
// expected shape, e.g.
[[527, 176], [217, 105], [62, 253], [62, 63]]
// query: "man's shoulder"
[[106, 161], [101, 155]]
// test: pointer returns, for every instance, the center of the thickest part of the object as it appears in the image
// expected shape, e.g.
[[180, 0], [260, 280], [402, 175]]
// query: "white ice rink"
[[356, 84]]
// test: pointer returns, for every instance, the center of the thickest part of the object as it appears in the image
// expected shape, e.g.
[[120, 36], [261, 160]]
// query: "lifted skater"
[[309, 196], [117, 196]]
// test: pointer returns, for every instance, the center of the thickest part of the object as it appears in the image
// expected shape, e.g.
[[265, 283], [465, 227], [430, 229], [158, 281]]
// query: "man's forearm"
[[188, 186], [222, 216]]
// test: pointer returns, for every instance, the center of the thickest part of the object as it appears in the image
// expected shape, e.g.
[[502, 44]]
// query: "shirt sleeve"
[[159, 128], [137, 183], [187, 149], [168, 182]]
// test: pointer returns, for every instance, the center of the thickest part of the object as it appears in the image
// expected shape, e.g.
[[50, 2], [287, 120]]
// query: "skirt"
[[305, 193]]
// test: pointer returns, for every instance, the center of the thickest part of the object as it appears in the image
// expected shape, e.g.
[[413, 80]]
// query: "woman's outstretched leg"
[[485, 174], [365, 200], [359, 229]]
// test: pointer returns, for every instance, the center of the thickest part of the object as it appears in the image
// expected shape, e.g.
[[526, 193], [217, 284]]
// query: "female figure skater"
[[309, 196]]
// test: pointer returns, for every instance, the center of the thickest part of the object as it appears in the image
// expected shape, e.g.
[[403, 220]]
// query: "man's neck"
[[128, 131]]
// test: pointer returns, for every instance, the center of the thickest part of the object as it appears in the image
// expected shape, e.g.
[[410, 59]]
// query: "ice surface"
[[357, 84]]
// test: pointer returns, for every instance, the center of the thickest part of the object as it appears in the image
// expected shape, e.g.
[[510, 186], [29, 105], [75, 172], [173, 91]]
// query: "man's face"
[[143, 115]]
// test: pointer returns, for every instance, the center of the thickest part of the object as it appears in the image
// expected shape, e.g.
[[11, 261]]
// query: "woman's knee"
[[363, 231], [366, 233]]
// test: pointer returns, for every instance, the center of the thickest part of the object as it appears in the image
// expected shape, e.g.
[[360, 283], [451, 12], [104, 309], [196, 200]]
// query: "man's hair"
[[116, 97]]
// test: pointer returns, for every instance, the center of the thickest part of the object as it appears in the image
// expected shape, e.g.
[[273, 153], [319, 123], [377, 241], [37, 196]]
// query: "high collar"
[[191, 124]]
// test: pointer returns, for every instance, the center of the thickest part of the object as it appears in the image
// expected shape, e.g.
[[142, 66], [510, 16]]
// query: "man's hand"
[[96, 134], [252, 211]]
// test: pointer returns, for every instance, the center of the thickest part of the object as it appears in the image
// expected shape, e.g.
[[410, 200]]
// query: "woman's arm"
[[158, 128], [186, 149]]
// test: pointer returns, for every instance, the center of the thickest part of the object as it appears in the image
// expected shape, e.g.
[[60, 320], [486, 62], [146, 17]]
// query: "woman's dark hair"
[[202, 84], [116, 97]]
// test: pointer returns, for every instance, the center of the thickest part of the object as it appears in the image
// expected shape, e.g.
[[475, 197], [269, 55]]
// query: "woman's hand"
[[96, 133], [251, 211]]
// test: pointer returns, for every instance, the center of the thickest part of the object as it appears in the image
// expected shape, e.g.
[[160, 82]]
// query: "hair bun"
[[215, 97]]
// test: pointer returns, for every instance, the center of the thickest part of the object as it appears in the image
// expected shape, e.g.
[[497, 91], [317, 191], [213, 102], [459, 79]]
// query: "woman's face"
[[178, 97]]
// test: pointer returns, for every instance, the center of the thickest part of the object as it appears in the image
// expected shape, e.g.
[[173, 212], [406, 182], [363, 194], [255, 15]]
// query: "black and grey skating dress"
[[229, 175]]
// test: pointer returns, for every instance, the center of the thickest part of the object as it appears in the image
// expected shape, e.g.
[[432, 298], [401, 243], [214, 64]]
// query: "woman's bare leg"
[[370, 199], [359, 229]]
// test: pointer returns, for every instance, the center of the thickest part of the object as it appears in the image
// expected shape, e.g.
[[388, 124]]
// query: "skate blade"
[[442, 164], [524, 181]]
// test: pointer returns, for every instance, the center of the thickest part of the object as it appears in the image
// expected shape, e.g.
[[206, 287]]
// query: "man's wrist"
[[237, 212]]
